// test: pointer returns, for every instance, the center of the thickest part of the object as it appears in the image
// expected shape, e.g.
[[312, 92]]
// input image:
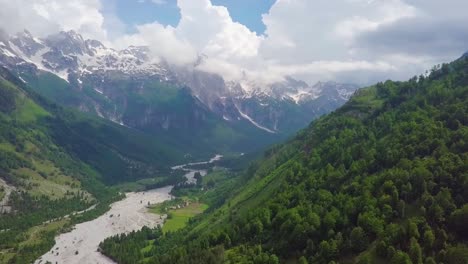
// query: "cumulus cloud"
[[212, 31], [395, 38], [44, 17], [439, 29], [164, 43], [205, 30], [346, 40]]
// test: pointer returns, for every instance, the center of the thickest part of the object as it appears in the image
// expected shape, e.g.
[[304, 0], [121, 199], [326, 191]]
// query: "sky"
[[263, 41], [166, 12]]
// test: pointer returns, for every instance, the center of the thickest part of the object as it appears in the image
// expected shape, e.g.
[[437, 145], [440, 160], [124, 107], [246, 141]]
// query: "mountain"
[[383, 179], [129, 88], [78, 118], [56, 161], [116, 151]]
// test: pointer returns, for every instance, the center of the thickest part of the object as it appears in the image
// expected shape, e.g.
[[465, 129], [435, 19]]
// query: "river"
[[190, 173], [80, 245]]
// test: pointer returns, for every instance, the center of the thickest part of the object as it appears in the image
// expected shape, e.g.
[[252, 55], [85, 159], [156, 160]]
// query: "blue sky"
[[135, 12], [247, 12]]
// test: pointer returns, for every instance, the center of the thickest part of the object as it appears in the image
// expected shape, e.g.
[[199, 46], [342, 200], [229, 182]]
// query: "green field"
[[35, 235], [54, 186], [179, 218], [150, 183], [29, 111], [138, 186]]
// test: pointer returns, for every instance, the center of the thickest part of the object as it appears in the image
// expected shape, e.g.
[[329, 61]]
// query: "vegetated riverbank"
[[81, 244], [191, 170]]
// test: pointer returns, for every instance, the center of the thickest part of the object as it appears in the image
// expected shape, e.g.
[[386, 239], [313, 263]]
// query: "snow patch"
[[62, 74], [98, 111], [37, 59], [98, 91], [21, 78], [248, 118], [8, 53], [300, 95]]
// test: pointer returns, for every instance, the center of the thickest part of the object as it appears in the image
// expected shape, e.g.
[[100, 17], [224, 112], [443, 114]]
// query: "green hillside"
[[56, 162], [384, 179], [119, 153]]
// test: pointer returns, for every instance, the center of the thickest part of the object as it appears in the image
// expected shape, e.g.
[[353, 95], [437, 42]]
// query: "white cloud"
[[43, 17], [313, 40], [212, 31], [164, 42], [204, 29], [345, 40], [303, 31]]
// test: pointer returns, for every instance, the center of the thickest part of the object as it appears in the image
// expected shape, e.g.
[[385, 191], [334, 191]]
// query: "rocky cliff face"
[[127, 87]]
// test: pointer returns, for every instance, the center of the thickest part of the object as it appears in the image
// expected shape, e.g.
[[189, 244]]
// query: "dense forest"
[[384, 179]]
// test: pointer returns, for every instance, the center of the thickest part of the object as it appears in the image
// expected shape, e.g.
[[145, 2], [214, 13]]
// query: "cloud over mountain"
[[359, 41]]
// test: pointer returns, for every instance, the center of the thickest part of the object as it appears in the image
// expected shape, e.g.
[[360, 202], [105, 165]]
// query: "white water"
[[128, 215]]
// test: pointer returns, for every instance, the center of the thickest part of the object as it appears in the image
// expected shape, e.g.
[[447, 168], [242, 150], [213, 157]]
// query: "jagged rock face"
[[26, 43], [127, 87], [67, 43]]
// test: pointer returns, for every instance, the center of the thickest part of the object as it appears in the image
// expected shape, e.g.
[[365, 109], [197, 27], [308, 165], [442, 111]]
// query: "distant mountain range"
[[125, 86]]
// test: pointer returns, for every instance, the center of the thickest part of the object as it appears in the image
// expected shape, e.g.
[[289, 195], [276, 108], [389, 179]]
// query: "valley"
[[348, 189], [81, 244], [164, 100], [130, 214]]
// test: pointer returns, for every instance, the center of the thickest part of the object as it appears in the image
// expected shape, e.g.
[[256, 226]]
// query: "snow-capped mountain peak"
[[67, 52], [285, 105], [28, 44]]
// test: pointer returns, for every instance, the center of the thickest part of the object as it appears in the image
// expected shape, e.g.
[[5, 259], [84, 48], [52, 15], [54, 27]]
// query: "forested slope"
[[54, 161], [384, 179], [119, 153]]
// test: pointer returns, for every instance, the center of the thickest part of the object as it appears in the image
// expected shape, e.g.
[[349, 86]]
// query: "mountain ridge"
[[84, 63]]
